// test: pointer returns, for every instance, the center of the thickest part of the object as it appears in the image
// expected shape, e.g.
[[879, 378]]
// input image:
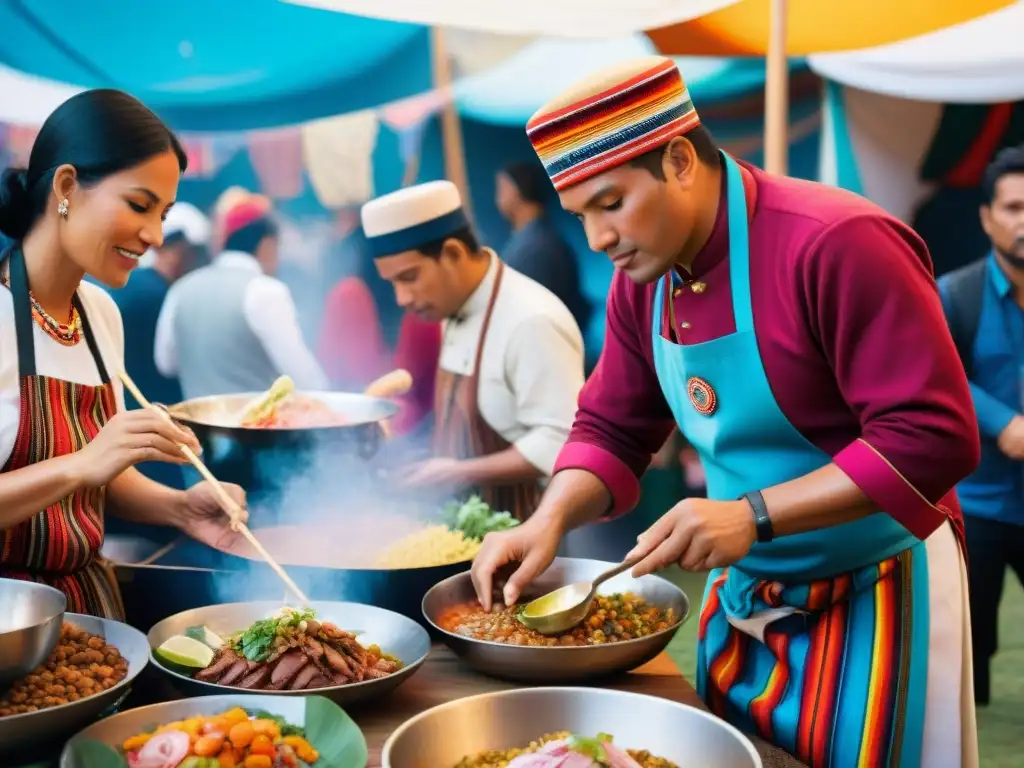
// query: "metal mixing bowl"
[[53, 725], [262, 460], [30, 622], [689, 737], [114, 730], [397, 635], [559, 664]]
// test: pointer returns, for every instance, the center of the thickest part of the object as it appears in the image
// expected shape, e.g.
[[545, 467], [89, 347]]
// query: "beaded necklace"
[[67, 334]]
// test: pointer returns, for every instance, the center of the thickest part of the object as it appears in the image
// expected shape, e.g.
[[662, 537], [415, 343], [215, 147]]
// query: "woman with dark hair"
[[102, 175]]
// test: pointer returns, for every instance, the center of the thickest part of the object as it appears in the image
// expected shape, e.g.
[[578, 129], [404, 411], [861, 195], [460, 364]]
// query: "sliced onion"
[[164, 750]]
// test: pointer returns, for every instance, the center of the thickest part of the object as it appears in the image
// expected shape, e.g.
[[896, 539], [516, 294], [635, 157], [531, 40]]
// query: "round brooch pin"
[[702, 396]]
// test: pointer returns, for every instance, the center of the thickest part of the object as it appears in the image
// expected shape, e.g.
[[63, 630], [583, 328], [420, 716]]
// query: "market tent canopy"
[[208, 67], [554, 18], [977, 62], [509, 93], [687, 27], [815, 26]]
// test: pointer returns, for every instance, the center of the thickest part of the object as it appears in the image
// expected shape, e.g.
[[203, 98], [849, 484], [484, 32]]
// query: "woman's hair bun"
[[14, 203]]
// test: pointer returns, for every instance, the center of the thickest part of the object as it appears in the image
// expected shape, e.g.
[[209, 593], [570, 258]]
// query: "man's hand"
[[1011, 439], [699, 534]]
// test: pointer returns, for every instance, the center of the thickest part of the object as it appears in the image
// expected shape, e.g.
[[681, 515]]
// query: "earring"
[[62, 208]]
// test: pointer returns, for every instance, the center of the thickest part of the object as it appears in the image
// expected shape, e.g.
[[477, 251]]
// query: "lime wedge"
[[205, 636], [186, 651]]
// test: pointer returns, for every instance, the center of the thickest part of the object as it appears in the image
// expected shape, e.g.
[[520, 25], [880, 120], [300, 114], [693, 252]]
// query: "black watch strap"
[[762, 521]]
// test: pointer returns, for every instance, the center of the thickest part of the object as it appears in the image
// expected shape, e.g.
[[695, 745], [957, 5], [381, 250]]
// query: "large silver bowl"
[[28, 731], [689, 737], [30, 618], [114, 730], [559, 664], [395, 634], [262, 460]]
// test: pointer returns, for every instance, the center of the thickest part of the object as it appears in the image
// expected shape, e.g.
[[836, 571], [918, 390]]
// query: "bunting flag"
[[338, 154], [19, 141], [415, 110], [276, 157], [200, 159]]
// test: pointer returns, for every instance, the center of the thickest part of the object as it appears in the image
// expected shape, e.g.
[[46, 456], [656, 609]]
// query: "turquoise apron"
[[838, 679]]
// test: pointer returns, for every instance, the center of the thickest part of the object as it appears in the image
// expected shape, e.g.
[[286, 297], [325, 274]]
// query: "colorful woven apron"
[[60, 545], [817, 642]]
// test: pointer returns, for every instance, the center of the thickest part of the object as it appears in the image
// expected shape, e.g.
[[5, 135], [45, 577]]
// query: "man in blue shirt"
[[993, 497], [536, 248]]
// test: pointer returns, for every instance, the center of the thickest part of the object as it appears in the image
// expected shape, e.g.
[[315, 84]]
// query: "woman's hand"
[[130, 438], [205, 520]]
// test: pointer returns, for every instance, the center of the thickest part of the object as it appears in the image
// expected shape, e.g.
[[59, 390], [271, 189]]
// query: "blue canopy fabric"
[[215, 66]]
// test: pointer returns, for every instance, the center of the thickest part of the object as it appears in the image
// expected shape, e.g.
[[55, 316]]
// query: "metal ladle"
[[565, 607]]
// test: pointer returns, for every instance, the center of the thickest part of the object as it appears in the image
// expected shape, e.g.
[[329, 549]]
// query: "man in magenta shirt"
[[794, 333]]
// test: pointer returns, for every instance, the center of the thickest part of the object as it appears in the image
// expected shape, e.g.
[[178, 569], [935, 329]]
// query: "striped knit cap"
[[613, 116]]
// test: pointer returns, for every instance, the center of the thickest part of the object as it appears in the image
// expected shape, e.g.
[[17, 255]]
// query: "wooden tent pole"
[[776, 100], [451, 130]]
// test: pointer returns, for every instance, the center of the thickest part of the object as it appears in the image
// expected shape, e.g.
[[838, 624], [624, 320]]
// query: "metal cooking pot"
[[29, 626], [448, 733], [261, 459], [191, 575]]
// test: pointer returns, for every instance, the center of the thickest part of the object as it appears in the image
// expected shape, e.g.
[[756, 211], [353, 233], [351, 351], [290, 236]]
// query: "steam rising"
[[326, 524]]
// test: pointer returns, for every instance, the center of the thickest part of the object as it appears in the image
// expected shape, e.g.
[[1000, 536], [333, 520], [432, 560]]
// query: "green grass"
[[1000, 725]]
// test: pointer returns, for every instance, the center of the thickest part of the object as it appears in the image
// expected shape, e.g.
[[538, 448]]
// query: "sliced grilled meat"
[[221, 663], [258, 678], [337, 662], [304, 678], [287, 667], [238, 670], [320, 681]]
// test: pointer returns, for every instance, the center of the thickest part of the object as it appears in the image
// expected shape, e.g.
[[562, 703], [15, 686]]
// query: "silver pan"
[[395, 634], [259, 458]]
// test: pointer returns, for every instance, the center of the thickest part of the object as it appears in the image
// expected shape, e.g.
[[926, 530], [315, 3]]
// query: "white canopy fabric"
[[555, 18], [977, 62], [29, 100], [511, 91]]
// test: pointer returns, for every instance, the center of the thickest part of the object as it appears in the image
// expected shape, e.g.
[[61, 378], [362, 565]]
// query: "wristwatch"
[[762, 522]]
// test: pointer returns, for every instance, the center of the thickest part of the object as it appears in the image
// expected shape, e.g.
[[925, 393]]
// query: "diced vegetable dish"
[[232, 739]]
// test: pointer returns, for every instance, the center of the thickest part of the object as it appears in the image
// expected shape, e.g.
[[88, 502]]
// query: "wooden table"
[[443, 678]]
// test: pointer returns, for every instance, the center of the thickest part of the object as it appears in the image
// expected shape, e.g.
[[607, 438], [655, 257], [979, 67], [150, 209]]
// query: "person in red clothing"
[[357, 356], [794, 334]]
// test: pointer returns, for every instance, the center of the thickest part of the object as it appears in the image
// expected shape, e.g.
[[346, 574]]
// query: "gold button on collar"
[[684, 324], [677, 292], [698, 287]]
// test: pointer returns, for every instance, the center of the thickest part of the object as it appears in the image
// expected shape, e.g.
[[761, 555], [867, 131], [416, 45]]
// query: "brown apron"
[[461, 432]]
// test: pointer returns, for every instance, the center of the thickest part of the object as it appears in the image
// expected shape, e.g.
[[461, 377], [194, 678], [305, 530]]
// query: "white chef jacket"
[[532, 365]]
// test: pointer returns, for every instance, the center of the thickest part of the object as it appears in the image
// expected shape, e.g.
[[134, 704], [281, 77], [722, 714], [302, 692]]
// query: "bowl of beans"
[[87, 673], [630, 622]]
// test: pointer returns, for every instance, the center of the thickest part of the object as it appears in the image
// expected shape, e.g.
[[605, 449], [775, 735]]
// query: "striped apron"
[[461, 431], [60, 545], [844, 646]]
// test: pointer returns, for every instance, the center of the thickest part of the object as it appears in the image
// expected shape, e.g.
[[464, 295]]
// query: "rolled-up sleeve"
[[622, 418], [544, 364], [879, 319]]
